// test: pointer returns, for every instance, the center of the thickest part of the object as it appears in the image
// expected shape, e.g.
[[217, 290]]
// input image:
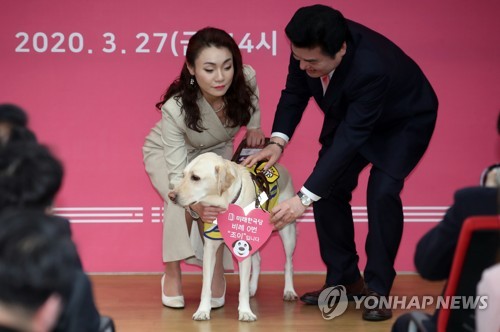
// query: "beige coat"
[[168, 148]]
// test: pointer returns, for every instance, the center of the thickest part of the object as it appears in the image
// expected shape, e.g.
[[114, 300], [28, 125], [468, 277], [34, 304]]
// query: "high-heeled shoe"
[[218, 302], [176, 302]]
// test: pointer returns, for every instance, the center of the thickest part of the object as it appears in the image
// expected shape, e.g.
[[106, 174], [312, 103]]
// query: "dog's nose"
[[173, 196]]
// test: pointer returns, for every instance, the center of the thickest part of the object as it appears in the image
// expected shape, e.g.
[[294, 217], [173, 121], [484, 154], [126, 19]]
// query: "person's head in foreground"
[[37, 267]]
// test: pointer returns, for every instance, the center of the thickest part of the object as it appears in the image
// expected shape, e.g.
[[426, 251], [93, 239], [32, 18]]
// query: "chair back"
[[478, 248]]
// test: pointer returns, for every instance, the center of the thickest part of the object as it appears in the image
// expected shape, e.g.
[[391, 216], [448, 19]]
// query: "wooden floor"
[[134, 302]]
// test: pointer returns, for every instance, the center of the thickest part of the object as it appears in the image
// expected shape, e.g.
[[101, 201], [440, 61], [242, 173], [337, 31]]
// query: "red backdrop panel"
[[89, 74]]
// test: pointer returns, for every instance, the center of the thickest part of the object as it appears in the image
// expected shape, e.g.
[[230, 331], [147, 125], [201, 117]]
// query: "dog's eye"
[[195, 178]]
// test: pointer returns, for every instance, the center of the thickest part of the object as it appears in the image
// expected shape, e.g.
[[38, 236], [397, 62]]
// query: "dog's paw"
[[201, 315], [253, 290], [290, 296], [247, 316]]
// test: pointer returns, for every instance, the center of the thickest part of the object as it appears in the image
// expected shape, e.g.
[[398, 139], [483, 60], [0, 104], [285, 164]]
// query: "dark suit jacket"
[[378, 103], [436, 249]]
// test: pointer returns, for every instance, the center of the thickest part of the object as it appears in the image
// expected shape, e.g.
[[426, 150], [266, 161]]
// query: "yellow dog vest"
[[271, 176]]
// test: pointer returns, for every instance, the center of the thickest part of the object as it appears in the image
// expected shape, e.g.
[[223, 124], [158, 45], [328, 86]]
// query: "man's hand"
[[271, 153], [207, 213], [255, 137], [286, 212]]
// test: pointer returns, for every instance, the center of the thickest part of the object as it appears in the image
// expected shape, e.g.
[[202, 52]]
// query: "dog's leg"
[[244, 311], [209, 255], [288, 236], [254, 279]]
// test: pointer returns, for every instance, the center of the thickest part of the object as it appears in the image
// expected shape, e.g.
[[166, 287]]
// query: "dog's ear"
[[224, 178], [249, 246]]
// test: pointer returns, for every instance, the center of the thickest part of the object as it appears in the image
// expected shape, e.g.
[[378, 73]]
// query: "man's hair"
[[36, 259], [21, 135], [30, 176], [13, 114], [16, 120], [318, 26]]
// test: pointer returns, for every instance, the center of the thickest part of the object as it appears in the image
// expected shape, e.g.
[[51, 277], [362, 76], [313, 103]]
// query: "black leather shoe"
[[373, 309], [357, 288]]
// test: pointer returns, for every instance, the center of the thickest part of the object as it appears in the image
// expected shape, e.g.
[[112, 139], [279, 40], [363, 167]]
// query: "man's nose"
[[303, 65]]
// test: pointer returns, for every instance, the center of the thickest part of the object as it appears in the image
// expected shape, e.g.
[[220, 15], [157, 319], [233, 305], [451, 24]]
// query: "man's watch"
[[304, 199]]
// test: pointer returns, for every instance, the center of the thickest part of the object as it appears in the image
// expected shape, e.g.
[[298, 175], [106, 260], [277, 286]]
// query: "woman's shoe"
[[176, 302], [218, 302]]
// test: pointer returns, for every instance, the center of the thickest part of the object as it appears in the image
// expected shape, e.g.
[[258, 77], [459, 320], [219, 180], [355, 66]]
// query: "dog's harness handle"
[[265, 184], [261, 185]]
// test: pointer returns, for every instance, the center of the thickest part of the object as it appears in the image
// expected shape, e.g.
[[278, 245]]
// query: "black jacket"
[[378, 104]]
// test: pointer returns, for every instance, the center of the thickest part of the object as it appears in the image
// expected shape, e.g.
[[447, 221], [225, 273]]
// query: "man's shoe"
[[355, 289], [375, 310]]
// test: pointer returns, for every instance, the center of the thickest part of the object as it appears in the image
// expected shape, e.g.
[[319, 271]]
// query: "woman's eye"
[[228, 68], [209, 70]]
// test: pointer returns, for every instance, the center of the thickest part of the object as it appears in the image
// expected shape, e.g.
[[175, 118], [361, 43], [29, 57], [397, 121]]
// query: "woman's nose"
[[219, 76]]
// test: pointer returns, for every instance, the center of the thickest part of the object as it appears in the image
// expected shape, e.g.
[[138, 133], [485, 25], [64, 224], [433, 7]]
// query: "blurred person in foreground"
[[14, 125], [38, 265], [30, 178], [436, 249]]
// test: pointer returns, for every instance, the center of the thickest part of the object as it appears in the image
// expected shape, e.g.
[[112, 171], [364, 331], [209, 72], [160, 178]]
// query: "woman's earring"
[[191, 81]]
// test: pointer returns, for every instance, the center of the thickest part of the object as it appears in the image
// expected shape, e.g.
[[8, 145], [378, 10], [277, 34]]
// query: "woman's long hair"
[[239, 107]]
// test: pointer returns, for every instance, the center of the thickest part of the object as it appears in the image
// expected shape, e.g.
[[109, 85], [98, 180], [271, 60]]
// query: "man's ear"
[[493, 178], [224, 178], [46, 316], [343, 49], [49, 209]]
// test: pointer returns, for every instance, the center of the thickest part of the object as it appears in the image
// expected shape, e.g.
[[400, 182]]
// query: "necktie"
[[324, 81]]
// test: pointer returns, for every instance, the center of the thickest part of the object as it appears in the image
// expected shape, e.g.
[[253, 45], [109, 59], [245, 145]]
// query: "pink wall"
[[94, 104]]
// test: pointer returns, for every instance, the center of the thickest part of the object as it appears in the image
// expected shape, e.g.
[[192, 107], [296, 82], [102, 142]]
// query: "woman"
[[202, 111]]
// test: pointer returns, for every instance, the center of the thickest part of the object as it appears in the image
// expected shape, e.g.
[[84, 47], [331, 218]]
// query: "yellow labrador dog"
[[215, 181]]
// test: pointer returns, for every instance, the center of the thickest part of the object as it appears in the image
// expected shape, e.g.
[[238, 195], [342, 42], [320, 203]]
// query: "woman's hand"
[[207, 213], [255, 137]]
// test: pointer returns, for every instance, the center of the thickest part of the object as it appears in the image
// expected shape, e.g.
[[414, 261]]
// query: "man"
[[379, 109], [13, 125], [30, 178], [488, 320], [436, 249], [38, 265]]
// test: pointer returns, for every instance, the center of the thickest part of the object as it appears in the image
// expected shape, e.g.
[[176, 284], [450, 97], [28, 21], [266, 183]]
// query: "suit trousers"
[[335, 228]]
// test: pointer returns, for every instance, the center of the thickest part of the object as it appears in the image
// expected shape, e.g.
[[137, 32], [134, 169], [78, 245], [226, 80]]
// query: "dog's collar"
[[238, 194]]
